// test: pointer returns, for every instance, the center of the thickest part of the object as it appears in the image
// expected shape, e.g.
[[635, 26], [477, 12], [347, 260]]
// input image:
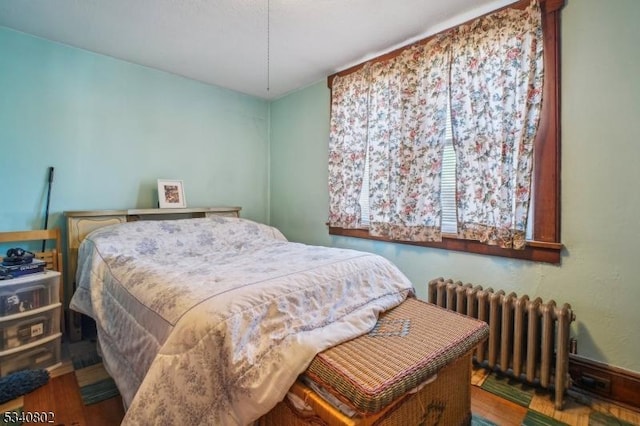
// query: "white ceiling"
[[225, 43]]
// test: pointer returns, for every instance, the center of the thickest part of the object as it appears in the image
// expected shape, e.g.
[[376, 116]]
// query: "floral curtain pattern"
[[407, 117], [490, 74], [496, 97], [347, 147]]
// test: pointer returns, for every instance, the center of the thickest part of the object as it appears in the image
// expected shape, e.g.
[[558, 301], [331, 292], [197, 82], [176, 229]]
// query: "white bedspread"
[[210, 321]]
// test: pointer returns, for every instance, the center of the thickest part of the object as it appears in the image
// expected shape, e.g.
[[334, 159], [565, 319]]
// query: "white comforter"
[[210, 321]]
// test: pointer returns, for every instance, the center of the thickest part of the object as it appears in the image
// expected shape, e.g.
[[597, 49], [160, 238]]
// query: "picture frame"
[[171, 194]]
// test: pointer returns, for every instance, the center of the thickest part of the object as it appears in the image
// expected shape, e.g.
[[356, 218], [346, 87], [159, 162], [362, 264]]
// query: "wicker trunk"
[[441, 402], [413, 368]]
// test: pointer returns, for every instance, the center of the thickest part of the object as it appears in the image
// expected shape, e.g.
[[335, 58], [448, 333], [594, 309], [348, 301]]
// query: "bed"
[[212, 320]]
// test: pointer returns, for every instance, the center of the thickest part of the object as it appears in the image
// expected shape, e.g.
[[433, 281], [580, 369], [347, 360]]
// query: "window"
[[447, 184], [447, 189], [543, 235]]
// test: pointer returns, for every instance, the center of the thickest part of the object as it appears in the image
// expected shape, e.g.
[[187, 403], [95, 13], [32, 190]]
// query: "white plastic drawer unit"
[[30, 326], [43, 353], [29, 292]]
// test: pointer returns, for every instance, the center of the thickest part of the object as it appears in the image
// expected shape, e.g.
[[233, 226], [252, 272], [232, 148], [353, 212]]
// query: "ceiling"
[[264, 48]]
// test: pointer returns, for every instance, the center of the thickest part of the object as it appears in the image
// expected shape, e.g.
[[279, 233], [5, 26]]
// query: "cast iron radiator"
[[528, 339]]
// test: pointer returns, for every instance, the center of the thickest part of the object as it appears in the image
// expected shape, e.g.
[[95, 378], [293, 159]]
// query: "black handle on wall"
[[46, 212]]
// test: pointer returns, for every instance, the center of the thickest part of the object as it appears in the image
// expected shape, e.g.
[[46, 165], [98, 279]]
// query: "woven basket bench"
[[412, 368]]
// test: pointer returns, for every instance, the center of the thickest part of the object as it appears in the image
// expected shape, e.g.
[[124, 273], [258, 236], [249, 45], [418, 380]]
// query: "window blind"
[[449, 223]]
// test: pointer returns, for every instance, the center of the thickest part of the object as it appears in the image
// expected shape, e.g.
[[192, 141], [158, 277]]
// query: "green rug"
[[480, 421], [94, 383], [98, 391], [509, 389]]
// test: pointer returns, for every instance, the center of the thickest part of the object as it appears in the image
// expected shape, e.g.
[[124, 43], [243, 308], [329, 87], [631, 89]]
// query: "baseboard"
[[605, 381]]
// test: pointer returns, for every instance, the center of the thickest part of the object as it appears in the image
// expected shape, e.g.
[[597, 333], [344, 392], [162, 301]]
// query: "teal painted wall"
[[599, 272], [299, 191], [111, 128]]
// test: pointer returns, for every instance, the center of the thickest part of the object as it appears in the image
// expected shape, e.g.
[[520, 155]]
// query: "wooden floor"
[[61, 397], [579, 409]]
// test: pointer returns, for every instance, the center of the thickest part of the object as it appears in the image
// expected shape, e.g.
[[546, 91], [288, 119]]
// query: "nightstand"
[[30, 313]]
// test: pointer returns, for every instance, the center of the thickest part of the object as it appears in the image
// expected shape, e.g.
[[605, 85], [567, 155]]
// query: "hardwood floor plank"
[[106, 413], [61, 396], [478, 376], [496, 409], [573, 413]]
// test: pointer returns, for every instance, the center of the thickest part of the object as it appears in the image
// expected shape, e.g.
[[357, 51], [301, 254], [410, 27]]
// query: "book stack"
[[13, 271]]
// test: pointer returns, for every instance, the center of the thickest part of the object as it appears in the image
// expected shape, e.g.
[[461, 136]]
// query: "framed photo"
[[171, 194]]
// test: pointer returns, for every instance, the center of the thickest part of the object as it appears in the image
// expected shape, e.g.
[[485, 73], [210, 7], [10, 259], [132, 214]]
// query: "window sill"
[[537, 251]]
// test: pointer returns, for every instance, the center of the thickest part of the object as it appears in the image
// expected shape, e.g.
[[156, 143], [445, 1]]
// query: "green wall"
[[599, 273], [111, 128]]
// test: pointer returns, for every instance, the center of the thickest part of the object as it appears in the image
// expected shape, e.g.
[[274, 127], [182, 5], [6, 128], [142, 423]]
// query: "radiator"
[[528, 339]]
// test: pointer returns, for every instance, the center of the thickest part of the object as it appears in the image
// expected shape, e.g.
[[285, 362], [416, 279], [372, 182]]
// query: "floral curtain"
[[407, 118], [347, 147], [496, 96]]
